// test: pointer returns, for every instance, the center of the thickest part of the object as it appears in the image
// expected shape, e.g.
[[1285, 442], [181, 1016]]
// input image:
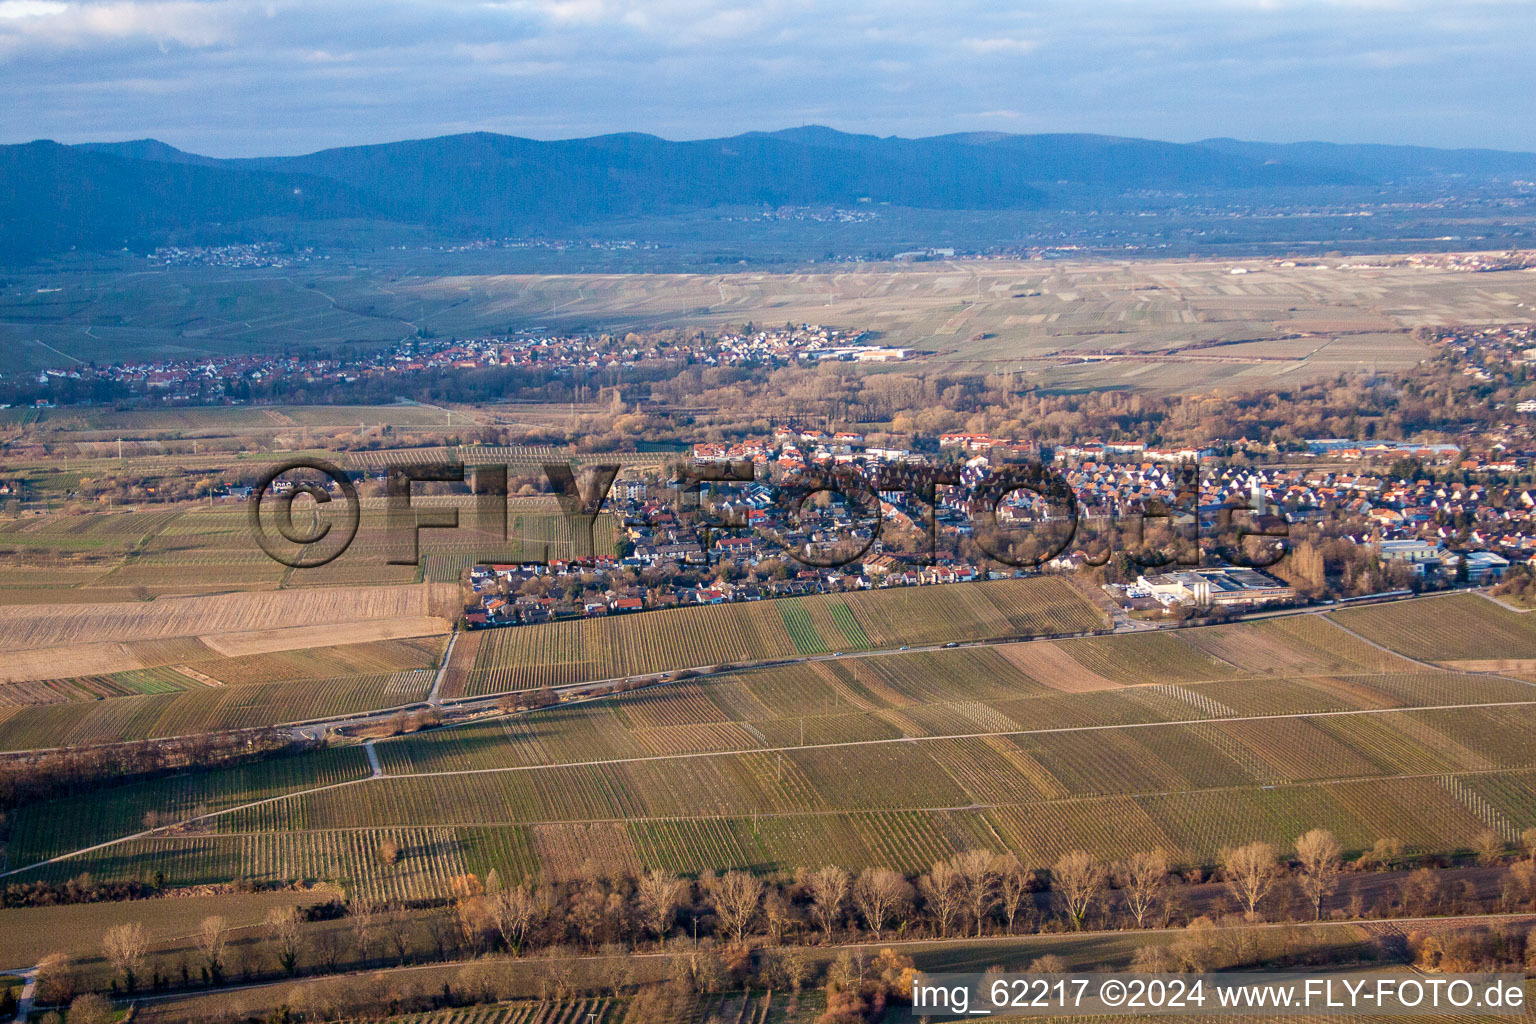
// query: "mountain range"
[[100, 196]]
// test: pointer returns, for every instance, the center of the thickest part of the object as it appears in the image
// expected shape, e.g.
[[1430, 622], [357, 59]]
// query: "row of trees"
[[973, 893]]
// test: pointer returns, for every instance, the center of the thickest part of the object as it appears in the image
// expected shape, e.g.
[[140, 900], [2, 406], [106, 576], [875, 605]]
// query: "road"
[[1027, 940], [28, 993]]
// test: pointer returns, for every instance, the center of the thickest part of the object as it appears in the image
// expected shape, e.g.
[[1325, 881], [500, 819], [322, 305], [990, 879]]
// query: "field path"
[[373, 760], [28, 993], [1025, 941], [434, 698]]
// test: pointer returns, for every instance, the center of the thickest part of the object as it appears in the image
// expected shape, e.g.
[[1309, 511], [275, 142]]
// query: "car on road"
[[952, 643]]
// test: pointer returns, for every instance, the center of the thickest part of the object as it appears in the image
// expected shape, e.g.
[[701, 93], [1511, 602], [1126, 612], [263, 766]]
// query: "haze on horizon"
[[265, 77]]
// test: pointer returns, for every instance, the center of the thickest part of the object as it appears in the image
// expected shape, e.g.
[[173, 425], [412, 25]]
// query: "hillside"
[[103, 196]]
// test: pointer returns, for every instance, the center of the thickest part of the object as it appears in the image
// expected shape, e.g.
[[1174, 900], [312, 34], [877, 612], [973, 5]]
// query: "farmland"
[[206, 709], [570, 652], [1151, 324], [49, 641], [1457, 628], [1179, 747]]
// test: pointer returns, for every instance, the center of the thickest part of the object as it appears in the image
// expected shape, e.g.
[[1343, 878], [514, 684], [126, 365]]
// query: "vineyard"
[[205, 709], [1460, 627], [562, 653], [46, 829], [1427, 814], [1191, 739]]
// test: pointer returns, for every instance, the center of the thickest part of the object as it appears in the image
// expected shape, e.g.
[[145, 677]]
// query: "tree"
[[941, 889], [1250, 873], [1013, 887], [126, 946], [1078, 880], [1143, 880], [283, 930], [514, 911], [397, 926], [1528, 842], [1321, 857], [1382, 854], [880, 895], [658, 894], [365, 921], [1489, 847], [212, 935], [52, 979], [735, 897], [978, 883], [91, 1009], [829, 894]]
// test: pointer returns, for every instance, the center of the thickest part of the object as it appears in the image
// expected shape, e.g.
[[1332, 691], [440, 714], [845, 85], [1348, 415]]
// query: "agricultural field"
[[206, 709], [560, 653], [1458, 628], [51, 641], [1182, 742], [1153, 325], [28, 934], [47, 829]]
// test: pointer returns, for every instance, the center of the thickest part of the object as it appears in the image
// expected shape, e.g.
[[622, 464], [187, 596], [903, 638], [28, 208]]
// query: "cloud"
[[10, 10], [245, 77], [1000, 45]]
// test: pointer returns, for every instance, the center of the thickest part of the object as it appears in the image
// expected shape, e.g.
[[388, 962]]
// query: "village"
[[232, 379], [738, 541]]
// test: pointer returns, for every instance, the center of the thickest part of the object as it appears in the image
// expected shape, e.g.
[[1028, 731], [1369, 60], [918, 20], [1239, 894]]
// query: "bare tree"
[[829, 894], [283, 929], [53, 980], [659, 893], [1421, 891], [978, 882], [91, 1009], [1013, 887], [1321, 856], [514, 911], [1143, 880], [126, 945], [212, 936], [941, 889], [1382, 854], [879, 895], [1078, 880], [327, 947], [615, 971], [396, 922], [1489, 847], [1250, 873], [735, 897], [365, 921]]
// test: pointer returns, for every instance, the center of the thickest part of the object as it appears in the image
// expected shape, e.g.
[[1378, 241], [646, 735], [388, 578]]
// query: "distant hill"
[[107, 195], [58, 198], [1385, 163]]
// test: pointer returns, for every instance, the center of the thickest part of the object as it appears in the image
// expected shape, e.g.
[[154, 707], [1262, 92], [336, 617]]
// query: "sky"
[[271, 77]]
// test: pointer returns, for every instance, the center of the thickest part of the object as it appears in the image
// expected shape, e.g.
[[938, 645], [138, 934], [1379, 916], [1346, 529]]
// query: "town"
[[740, 543]]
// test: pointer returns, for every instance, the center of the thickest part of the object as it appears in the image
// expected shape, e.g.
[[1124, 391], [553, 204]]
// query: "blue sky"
[[251, 77]]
